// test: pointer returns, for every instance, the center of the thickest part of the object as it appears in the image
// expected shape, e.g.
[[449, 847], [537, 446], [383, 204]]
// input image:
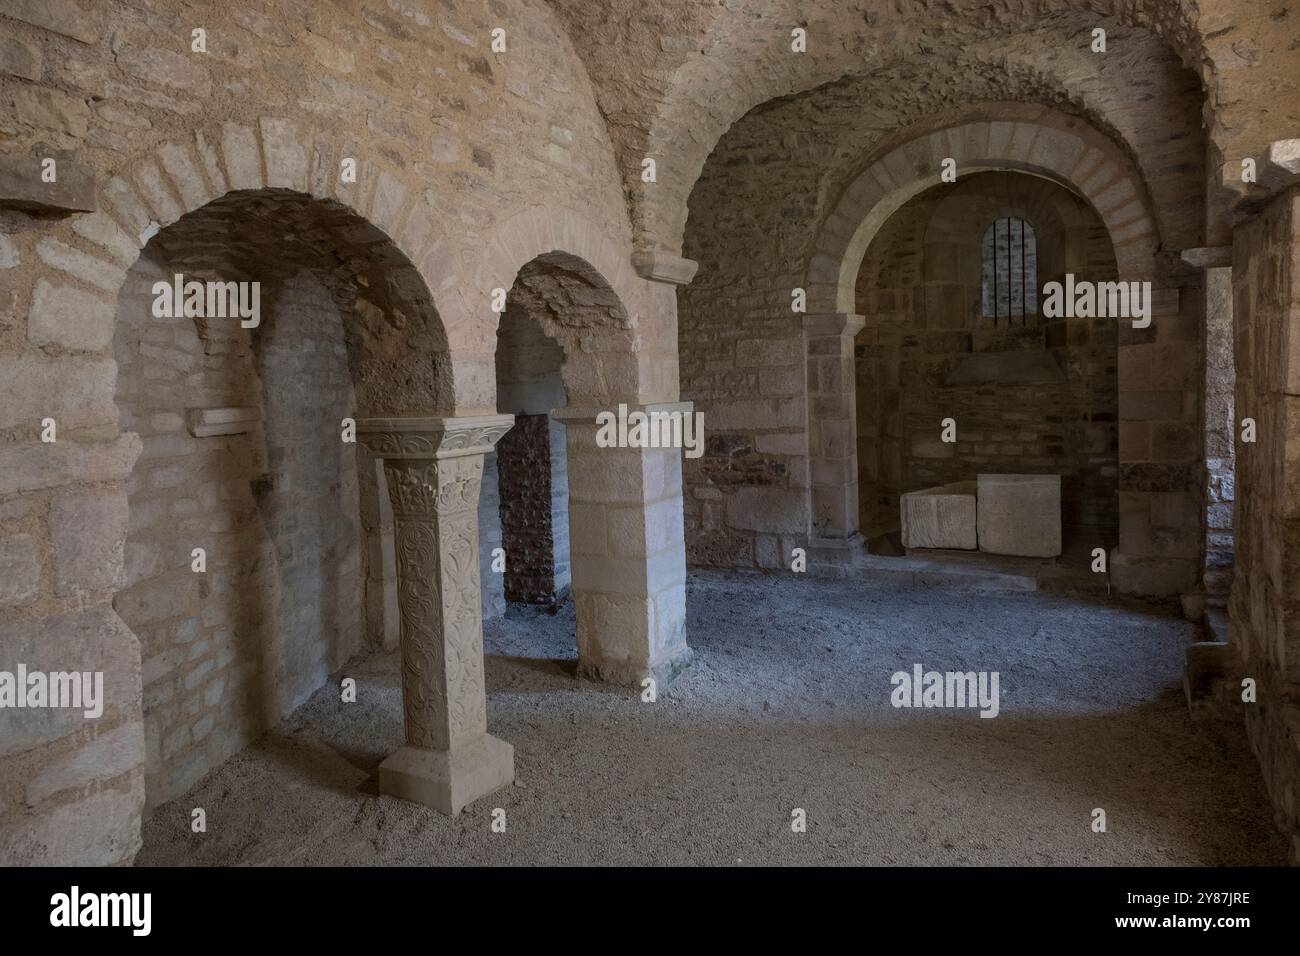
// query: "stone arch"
[[1056, 147], [1158, 479], [495, 264], [153, 191], [960, 220], [258, 205], [745, 67], [624, 522], [929, 348]]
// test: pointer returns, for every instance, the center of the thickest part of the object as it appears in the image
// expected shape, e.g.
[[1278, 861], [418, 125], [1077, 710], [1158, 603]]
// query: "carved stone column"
[[434, 468]]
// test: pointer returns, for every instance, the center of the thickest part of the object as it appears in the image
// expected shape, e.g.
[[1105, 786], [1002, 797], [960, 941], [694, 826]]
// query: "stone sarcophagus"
[[1020, 514], [942, 517]]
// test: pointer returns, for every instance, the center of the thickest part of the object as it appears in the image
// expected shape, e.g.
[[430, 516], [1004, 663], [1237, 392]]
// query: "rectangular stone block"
[[88, 532], [942, 517], [102, 829], [60, 16], [93, 640], [70, 318], [1019, 514], [207, 422]]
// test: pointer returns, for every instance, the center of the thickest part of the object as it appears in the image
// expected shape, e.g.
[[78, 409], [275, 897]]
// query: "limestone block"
[[207, 422], [28, 467], [105, 275], [285, 144], [47, 110], [448, 780], [942, 517], [102, 829], [1020, 514], [242, 155], [20, 569], [61, 16], [19, 58], [73, 390], [68, 317], [180, 167], [104, 757], [88, 532], [92, 640]]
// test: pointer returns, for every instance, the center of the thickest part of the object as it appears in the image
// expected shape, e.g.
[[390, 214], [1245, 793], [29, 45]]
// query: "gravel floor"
[[786, 706]]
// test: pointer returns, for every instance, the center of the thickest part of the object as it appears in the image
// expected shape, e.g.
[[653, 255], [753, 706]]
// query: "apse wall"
[[1029, 394]]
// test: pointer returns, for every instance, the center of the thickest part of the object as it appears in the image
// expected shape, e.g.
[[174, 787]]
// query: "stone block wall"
[[452, 143], [533, 499], [228, 651], [746, 499], [1265, 604], [528, 521], [1028, 394]]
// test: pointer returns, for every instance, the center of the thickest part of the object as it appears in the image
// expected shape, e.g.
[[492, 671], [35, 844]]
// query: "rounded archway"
[[572, 511], [249, 332], [954, 327]]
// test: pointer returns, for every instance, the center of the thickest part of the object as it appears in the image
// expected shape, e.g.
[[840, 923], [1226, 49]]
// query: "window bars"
[[1009, 271]]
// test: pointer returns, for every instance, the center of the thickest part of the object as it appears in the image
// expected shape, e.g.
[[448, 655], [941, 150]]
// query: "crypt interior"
[[984, 312]]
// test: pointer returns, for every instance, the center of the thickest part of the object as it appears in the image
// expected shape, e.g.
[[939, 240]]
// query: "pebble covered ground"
[[786, 705]]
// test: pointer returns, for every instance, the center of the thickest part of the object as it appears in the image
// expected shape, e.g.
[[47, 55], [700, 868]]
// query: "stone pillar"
[[1219, 381], [628, 552], [1160, 449], [434, 468], [832, 432]]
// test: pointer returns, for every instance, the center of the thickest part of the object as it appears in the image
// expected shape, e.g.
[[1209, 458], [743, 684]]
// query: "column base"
[[448, 780], [835, 557], [629, 674], [1150, 576]]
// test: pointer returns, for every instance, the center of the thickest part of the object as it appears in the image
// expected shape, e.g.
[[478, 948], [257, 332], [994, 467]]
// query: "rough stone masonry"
[[473, 225]]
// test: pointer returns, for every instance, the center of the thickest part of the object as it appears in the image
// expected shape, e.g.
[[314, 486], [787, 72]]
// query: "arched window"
[[1009, 272]]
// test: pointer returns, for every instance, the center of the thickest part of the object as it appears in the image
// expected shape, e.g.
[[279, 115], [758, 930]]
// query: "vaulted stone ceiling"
[[811, 145], [672, 76]]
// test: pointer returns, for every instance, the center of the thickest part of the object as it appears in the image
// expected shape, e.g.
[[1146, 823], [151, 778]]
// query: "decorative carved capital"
[[432, 488], [432, 437]]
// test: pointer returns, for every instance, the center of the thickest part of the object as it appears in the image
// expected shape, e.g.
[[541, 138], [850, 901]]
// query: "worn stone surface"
[[1264, 627], [1020, 514], [20, 569], [523, 172], [942, 517], [1026, 392]]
